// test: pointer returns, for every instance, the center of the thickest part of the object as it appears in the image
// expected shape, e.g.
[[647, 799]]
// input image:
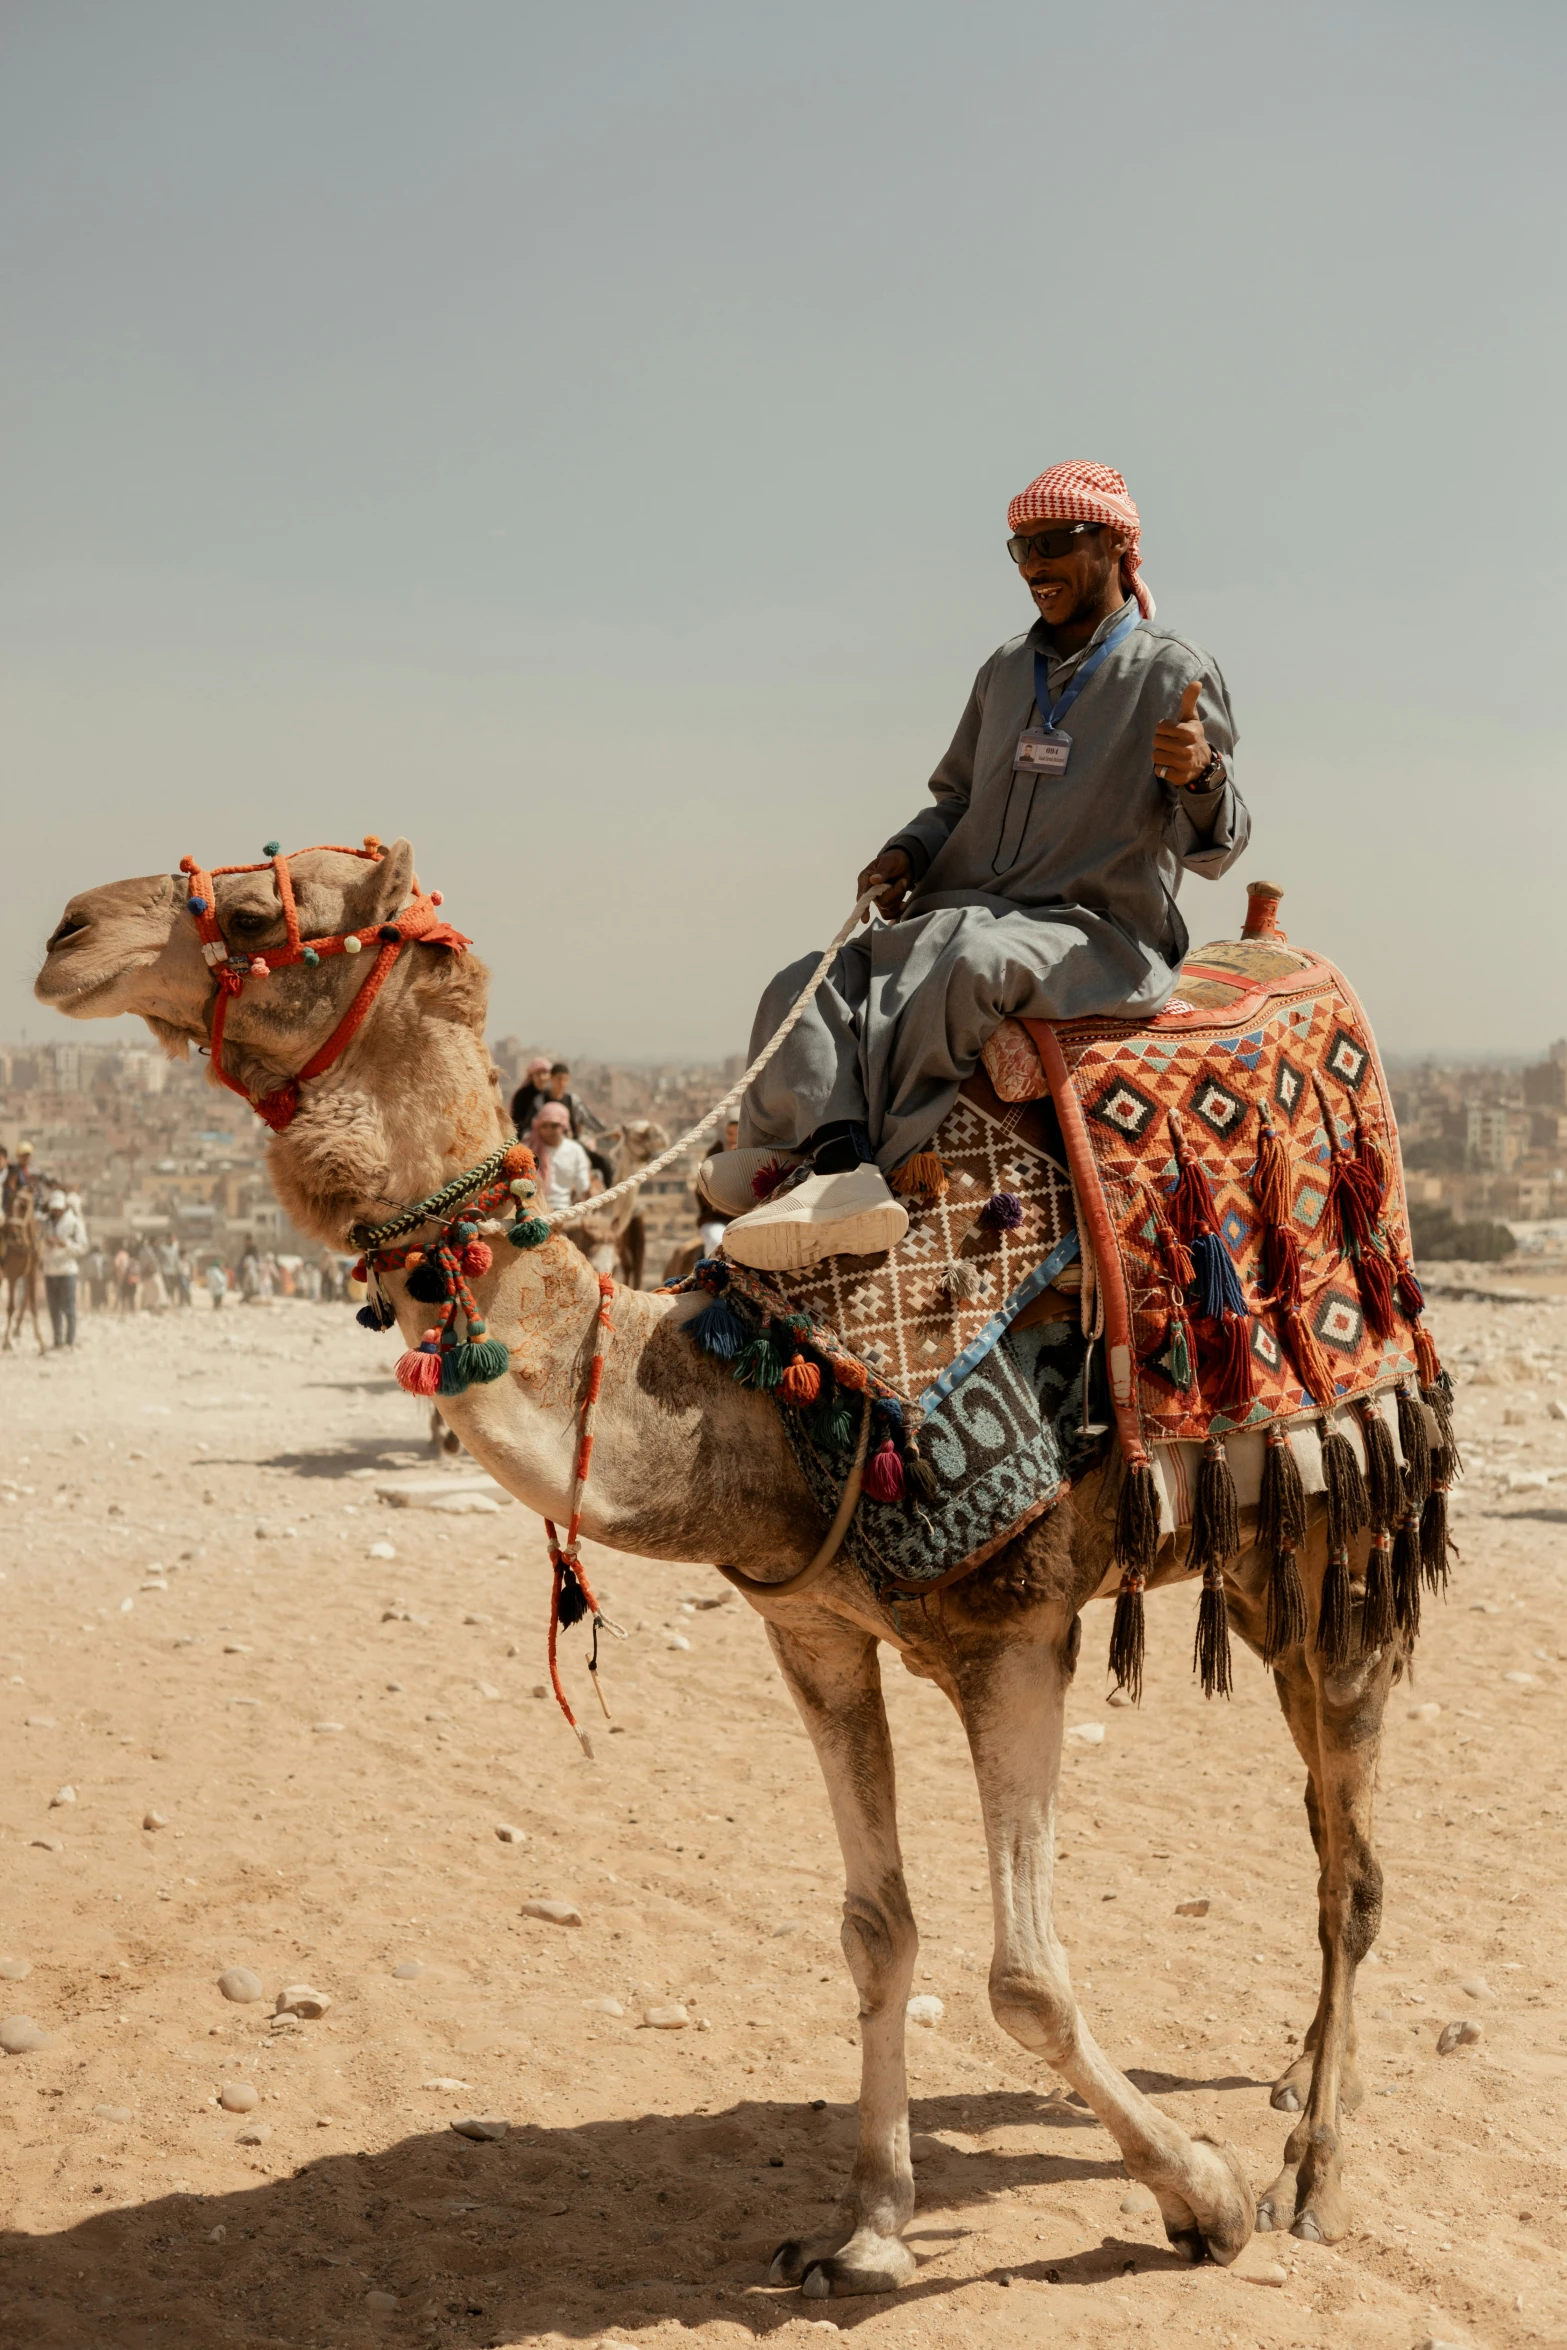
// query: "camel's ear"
[[386, 887]]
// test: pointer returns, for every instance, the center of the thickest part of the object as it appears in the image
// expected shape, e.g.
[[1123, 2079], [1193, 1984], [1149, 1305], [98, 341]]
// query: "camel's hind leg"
[[835, 1680], [1012, 1688], [1335, 1718]]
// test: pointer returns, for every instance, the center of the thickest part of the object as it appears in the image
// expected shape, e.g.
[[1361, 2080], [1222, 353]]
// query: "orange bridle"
[[417, 924]]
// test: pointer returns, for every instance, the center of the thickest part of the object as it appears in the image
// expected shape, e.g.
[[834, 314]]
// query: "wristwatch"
[[1212, 775]]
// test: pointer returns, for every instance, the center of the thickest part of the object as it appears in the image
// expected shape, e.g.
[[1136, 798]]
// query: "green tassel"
[[831, 1421], [454, 1379], [481, 1360], [529, 1232], [760, 1364]]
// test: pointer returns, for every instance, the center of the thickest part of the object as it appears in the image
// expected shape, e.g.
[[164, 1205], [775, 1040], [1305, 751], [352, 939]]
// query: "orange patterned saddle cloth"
[[1239, 1193]]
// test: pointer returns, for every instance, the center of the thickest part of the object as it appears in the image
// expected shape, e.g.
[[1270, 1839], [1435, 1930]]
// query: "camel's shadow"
[[564, 2230]]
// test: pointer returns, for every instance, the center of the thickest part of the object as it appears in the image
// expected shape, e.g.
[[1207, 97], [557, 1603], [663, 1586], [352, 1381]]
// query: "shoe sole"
[[792, 1248]]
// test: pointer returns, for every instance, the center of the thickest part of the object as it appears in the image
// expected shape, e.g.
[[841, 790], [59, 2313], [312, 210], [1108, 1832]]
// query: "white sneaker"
[[724, 1181], [848, 1215]]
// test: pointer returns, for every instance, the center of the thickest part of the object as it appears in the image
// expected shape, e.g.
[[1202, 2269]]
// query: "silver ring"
[[1163, 774]]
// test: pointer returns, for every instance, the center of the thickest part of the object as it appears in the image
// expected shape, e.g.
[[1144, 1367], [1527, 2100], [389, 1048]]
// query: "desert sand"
[[226, 1607]]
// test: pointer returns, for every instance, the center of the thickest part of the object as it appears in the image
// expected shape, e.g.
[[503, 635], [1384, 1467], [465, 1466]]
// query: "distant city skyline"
[[580, 440]]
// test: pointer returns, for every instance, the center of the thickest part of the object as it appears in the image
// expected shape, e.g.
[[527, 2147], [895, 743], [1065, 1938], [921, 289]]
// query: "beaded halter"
[[417, 924]]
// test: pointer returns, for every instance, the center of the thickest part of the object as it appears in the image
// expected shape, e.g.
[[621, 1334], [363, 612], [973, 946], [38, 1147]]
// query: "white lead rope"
[[601, 1199]]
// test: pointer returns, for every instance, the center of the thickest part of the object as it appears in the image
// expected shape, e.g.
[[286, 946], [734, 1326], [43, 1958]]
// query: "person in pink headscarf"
[[1092, 768]]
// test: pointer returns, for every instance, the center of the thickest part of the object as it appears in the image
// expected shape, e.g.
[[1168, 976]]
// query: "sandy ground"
[[195, 1626]]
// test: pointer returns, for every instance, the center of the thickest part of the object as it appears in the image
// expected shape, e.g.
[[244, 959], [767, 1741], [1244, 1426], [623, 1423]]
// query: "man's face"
[[1066, 586], [553, 1126], [559, 1080]]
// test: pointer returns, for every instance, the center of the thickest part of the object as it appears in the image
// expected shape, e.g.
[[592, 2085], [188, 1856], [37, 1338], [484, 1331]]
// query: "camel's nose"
[[71, 925]]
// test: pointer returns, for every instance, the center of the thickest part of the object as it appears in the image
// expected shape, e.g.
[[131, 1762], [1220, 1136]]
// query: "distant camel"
[[689, 1465], [22, 1269]]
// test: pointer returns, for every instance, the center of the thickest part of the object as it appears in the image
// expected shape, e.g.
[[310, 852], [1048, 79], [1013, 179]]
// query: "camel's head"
[[132, 946]]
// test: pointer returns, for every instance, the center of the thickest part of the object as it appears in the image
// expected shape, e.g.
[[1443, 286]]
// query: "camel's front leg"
[[834, 1678], [1012, 1692]]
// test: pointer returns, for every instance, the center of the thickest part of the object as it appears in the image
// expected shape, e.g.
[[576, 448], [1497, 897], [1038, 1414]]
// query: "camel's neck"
[[413, 1101]]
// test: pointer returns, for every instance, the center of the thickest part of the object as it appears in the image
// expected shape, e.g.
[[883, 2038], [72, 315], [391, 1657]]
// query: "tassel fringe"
[[1127, 1635], [1349, 1506], [1211, 1654], [1216, 1522], [922, 1177], [1335, 1613], [1377, 1615], [1384, 1480], [1415, 1444], [1405, 1577]]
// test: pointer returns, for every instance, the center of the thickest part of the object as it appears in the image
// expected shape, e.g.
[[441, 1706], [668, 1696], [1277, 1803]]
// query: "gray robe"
[[1046, 896]]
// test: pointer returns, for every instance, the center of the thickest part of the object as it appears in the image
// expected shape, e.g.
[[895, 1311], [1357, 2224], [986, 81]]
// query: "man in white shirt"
[[62, 1243], [565, 1172]]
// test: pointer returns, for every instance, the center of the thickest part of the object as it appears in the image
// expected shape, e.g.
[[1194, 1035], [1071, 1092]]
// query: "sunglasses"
[[1051, 543]]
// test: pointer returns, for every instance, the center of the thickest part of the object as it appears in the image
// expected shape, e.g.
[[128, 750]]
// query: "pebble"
[[1141, 2200], [1271, 2273], [786, 1926], [1192, 1909], [383, 2303], [1086, 1734], [554, 1913], [509, 1834], [1429, 1712], [1556, 1409], [240, 1983], [676, 1640], [672, 2018], [1381, 2015], [485, 2127], [19, 2036], [1523, 1680], [15, 1970], [407, 1971], [239, 2097], [925, 2008], [112, 2113], [38, 1722], [299, 1999], [257, 2134], [476, 1619], [1118, 1697], [153, 1819], [237, 1648], [604, 2006], [1437, 2342], [326, 1729], [62, 1795], [1476, 1987], [48, 1843], [1462, 2032], [382, 1550], [487, 1689], [444, 2081]]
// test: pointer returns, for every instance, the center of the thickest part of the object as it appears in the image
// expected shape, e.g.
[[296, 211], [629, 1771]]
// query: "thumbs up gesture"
[[1181, 751]]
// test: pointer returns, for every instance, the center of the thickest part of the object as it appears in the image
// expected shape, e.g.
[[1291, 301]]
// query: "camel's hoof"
[[1189, 2243], [1267, 2219], [878, 2266], [1306, 2228], [1284, 2099], [788, 2263]]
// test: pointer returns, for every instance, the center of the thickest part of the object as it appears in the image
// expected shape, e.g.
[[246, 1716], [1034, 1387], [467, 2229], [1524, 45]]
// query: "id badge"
[[1043, 750]]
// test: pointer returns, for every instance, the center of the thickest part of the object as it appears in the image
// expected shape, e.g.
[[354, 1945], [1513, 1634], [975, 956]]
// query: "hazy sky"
[[580, 438]]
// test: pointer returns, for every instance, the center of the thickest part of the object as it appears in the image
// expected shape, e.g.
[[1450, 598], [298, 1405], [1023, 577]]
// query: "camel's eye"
[[250, 925]]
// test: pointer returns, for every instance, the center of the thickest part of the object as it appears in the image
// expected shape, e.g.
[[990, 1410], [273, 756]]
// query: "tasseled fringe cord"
[[1378, 1611], [1384, 1479], [1336, 1610], [1349, 1506], [1211, 1651], [1405, 1572], [1281, 1529], [1414, 1443], [1215, 1537], [1136, 1551]]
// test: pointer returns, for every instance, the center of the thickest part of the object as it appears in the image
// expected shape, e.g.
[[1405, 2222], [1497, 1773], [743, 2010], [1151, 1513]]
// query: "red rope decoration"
[[564, 1557]]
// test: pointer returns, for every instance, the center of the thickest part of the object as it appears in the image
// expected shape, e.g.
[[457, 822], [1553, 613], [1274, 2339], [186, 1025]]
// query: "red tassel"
[[1281, 1266], [883, 1479], [1235, 1381], [419, 1371], [1374, 1280], [1372, 1159], [1192, 1205], [1427, 1360], [801, 1382], [1311, 1364], [1411, 1297], [477, 1257], [1271, 1188]]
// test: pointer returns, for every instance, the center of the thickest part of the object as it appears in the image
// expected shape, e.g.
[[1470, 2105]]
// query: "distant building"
[[1545, 1086]]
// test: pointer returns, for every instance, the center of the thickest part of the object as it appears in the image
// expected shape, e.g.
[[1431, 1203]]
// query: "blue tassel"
[[718, 1330], [1219, 1288], [711, 1273], [375, 1314]]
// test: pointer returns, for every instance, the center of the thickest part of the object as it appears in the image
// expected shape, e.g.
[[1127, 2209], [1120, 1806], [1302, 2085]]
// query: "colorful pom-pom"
[[437, 898], [427, 1283], [352, 945], [718, 1330], [476, 1257], [801, 1382], [529, 1232], [309, 955], [883, 1479], [269, 848], [260, 968], [524, 1188], [197, 905], [419, 1371], [1002, 1212], [390, 932]]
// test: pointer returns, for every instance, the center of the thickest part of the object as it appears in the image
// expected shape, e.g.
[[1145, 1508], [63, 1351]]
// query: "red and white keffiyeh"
[[1079, 491]]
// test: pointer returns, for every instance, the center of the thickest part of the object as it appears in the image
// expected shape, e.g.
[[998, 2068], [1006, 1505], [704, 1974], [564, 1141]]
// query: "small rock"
[[256, 2135], [48, 1843], [1476, 1987], [1462, 2032], [482, 2126], [237, 1648], [444, 2081], [19, 2036], [239, 2097], [382, 1550], [153, 1819], [554, 1913], [672, 2018], [382, 2303], [1429, 1712], [1086, 1734], [786, 1926], [408, 1970], [112, 2113], [326, 1729], [540, 1689], [15, 1970], [925, 2008], [604, 2006], [1381, 2015], [1192, 1909], [1437, 2342], [1556, 1409], [676, 1640], [299, 1999], [509, 1834], [1118, 1697], [476, 1619], [38, 1722], [1141, 2200], [1523, 1680], [240, 1984], [62, 1795], [1270, 2273], [487, 1689]]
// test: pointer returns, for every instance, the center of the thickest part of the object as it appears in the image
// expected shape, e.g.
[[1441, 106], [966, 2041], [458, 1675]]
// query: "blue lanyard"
[[1100, 654]]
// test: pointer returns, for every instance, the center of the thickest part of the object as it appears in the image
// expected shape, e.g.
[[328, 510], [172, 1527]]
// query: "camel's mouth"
[[103, 940]]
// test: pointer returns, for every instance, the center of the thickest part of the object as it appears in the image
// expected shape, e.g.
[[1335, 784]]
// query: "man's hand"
[[893, 870], [1180, 748]]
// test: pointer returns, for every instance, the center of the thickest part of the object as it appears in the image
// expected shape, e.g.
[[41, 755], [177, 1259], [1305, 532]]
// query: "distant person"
[[250, 1274], [710, 1222], [97, 1268], [152, 1296], [330, 1290], [565, 1171], [217, 1283], [126, 1279], [535, 1085], [62, 1243], [175, 1271], [18, 1176]]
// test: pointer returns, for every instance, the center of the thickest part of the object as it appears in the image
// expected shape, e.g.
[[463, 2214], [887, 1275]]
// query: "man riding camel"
[[1092, 765]]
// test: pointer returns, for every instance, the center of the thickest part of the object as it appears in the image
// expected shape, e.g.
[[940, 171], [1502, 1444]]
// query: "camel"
[[22, 1268], [616, 1237], [690, 1466]]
